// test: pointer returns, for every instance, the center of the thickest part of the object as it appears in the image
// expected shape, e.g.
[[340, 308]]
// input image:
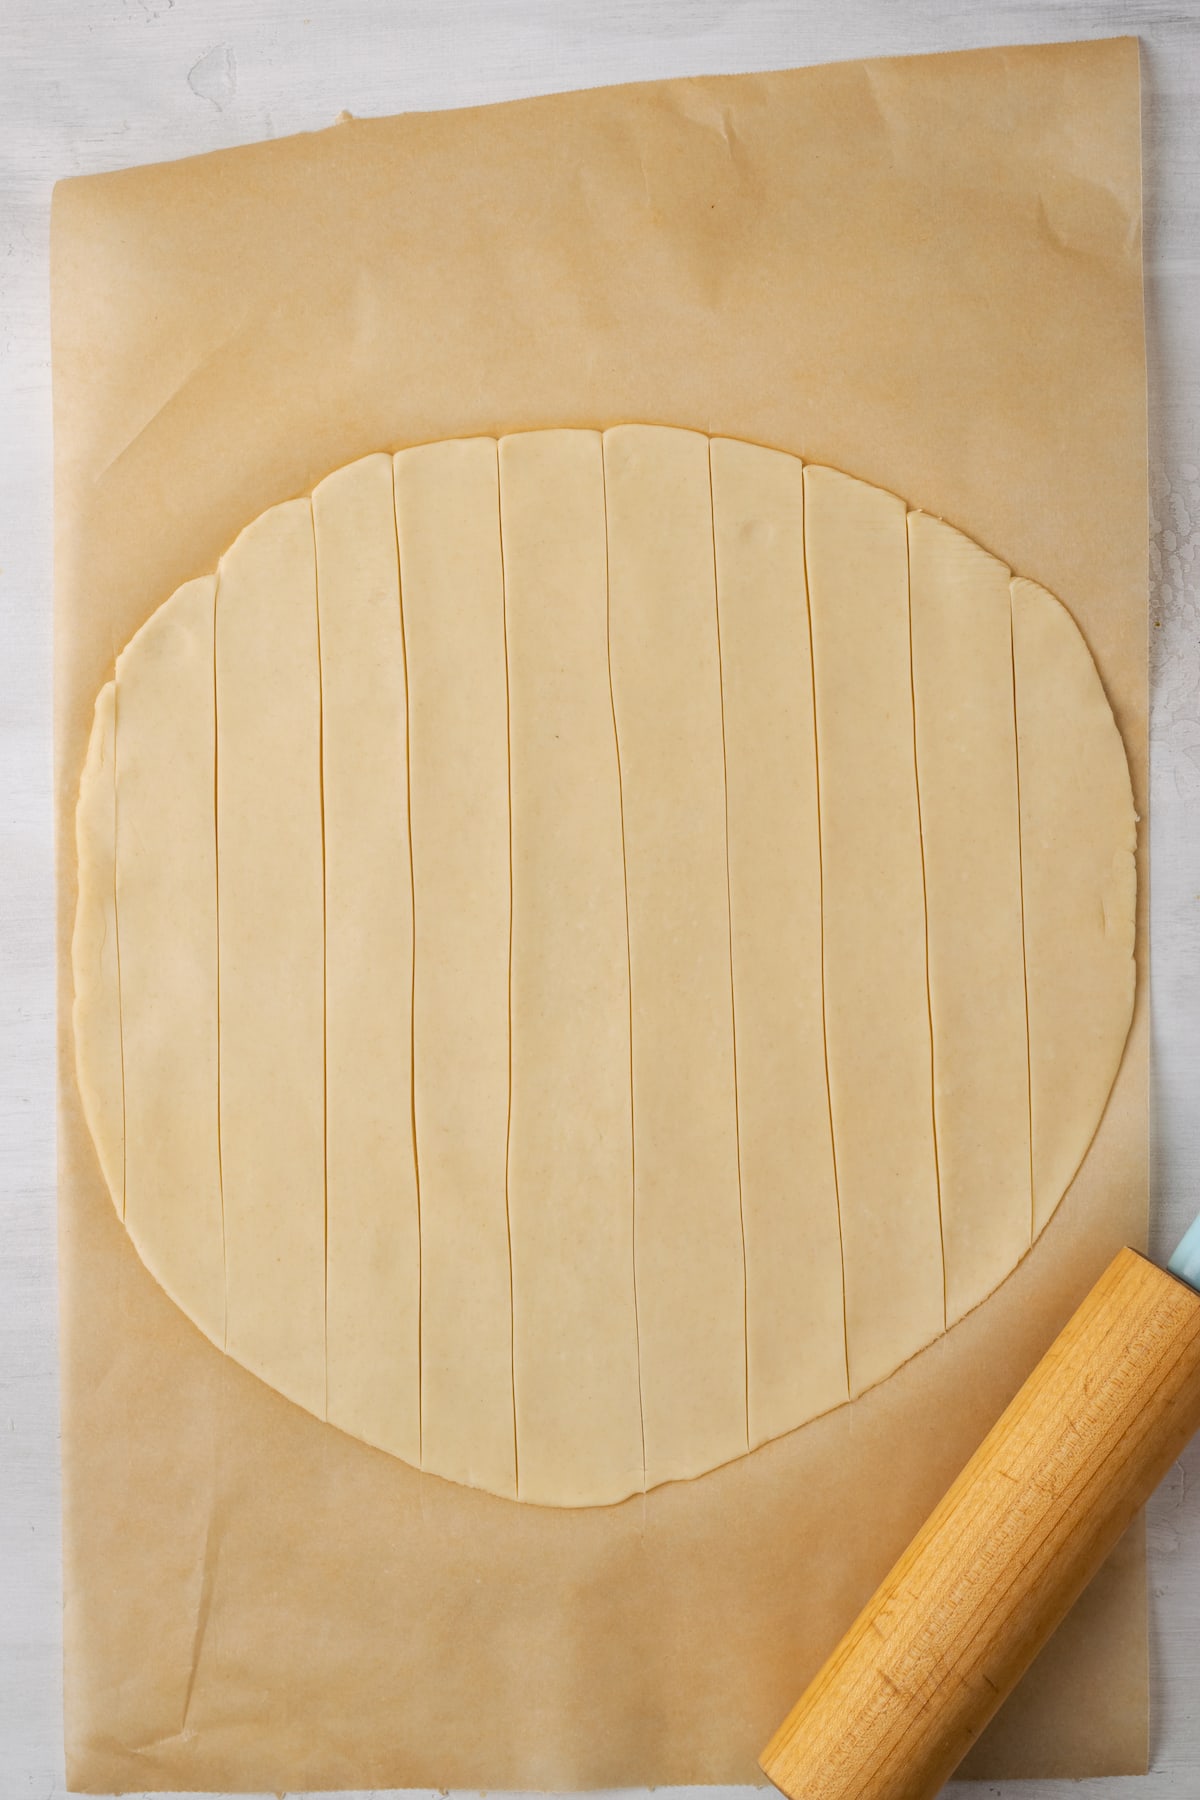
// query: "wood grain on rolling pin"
[[1008, 1551]]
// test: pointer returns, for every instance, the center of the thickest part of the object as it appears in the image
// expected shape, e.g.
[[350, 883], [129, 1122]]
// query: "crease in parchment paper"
[[179, 387], [204, 1600]]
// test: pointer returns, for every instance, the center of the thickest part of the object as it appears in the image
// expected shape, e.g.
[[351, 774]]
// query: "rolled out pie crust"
[[594, 948]]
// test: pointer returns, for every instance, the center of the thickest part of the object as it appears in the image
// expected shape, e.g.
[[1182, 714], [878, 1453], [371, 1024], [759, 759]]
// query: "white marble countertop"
[[87, 85]]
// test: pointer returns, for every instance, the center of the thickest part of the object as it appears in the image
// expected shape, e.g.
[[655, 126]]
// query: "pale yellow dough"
[[1078, 832], [167, 907], [967, 768], [95, 960], [794, 1304], [667, 692], [570, 1164], [593, 948], [373, 1260], [271, 955], [452, 590], [876, 1001]]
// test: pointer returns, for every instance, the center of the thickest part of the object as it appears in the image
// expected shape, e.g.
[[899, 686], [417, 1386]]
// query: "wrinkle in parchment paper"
[[923, 271]]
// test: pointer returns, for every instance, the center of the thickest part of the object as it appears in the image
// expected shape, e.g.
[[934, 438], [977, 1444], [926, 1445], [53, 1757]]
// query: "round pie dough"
[[594, 948]]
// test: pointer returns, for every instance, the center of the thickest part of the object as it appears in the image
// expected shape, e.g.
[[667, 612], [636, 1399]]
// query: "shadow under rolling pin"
[[1002, 1560]]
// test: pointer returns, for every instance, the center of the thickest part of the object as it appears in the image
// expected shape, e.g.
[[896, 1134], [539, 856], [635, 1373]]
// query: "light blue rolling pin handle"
[[1186, 1261]]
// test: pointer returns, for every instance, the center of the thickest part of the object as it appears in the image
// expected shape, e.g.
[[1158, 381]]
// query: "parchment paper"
[[926, 272]]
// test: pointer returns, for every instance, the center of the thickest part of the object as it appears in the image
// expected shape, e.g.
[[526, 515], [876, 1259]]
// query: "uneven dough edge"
[[166, 895], [96, 1006], [1080, 881]]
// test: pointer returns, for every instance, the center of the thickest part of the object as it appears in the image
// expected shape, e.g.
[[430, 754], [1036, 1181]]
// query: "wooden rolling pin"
[[1011, 1547]]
